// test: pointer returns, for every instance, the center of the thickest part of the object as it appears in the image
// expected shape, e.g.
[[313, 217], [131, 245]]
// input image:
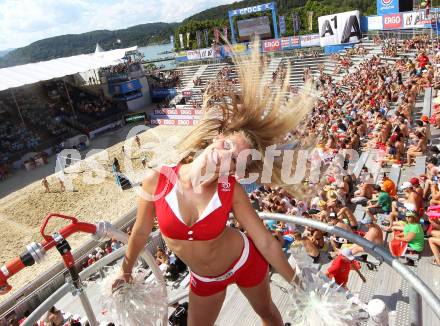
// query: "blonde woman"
[[192, 213]]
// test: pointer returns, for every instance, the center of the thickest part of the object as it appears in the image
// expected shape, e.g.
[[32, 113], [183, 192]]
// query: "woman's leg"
[[434, 243], [261, 301], [203, 311]]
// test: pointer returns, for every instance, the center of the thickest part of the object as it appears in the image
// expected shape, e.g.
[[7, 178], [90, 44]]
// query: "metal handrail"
[[376, 250]]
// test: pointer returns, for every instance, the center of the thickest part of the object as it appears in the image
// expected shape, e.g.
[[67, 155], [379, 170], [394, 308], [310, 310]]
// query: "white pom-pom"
[[141, 302], [316, 301]]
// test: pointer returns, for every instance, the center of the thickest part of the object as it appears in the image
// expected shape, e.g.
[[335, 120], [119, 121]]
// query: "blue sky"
[[25, 21]]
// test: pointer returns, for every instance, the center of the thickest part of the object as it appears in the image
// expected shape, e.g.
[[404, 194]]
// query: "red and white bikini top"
[[211, 222]]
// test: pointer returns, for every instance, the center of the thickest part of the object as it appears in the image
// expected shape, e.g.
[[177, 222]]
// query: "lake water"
[[153, 52]]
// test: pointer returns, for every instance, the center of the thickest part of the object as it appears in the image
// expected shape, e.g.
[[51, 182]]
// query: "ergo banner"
[[392, 21], [271, 45]]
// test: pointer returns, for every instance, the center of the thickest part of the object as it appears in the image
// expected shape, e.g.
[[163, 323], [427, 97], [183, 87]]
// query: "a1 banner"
[[392, 21], [341, 28], [271, 45], [177, 112]]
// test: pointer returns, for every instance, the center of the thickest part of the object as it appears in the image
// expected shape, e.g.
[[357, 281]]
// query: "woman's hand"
[[122, 279]]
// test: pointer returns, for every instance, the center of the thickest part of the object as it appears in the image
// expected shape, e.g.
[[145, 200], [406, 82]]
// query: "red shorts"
[[249, 270]]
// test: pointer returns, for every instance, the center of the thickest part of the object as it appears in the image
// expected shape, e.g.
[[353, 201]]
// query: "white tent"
[[98, 48], [34, 72]]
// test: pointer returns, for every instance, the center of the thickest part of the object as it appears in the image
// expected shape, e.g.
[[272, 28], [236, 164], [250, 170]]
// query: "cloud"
[[26, 21]]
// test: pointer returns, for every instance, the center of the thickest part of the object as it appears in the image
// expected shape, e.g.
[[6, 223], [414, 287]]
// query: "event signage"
[[193, 54], [271, 45], [282, 25], [374, 23], [135, 117], [415, 19], [340, 28], [294, 41], [385, 7], [310, 40], [285, 42], [206, 53], [251, 10], [161, 93], [187, 93], [392, 21]]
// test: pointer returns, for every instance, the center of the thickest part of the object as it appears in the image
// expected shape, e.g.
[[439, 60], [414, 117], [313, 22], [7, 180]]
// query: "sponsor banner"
[[340, 28], [177, 112], [161, 93], [415, 19], [173, 122], [392, 21], [175, 116], [294, 41], [206, 53], [387, 7], [181, 57], [310, 40], [285, 42], [193, 54], [271, 45], [186, 93], [374, 23], [289, 42], [135, 117], [252, 10]]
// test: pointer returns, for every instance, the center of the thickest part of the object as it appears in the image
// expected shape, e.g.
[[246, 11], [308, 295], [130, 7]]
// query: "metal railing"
[[376, 250]]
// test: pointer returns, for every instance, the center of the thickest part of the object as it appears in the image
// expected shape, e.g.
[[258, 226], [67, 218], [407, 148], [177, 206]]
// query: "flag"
[[225, 33], [206, 38], [216, 35], [187, 39], [310, 20], [181, 41], [199, 39], [282, 25], [296, 23]]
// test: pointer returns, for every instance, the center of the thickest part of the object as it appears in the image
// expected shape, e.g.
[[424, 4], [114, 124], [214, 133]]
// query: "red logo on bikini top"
[[226, 186]]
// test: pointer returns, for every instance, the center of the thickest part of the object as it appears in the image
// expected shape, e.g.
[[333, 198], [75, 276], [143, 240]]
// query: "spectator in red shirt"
[[341, 266], [423, 60]]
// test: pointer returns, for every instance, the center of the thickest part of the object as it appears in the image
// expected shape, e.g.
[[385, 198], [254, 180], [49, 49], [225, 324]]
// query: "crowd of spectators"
[[165, 79], [357, 113]]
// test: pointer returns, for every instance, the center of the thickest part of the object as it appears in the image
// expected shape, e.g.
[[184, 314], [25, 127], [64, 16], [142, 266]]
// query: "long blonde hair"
[[264, 117]]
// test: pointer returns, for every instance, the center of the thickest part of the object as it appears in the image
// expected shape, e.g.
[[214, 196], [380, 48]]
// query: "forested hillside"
[[145, 34], [72, 44]]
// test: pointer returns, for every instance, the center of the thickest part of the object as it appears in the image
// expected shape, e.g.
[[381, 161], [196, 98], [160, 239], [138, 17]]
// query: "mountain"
[[4, 52], [154, 33], [73, 44]]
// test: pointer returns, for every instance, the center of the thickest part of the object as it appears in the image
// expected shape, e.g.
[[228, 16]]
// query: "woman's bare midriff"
[[210, 257]]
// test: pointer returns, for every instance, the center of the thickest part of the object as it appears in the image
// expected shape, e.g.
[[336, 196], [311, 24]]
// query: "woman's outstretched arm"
[[268, 246], [143, 225]]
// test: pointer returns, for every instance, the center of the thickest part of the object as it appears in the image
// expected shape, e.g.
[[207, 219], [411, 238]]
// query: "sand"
[[21, 212]]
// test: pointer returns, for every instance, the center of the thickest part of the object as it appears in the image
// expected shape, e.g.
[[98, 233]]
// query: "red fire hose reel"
[[35, 252]]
